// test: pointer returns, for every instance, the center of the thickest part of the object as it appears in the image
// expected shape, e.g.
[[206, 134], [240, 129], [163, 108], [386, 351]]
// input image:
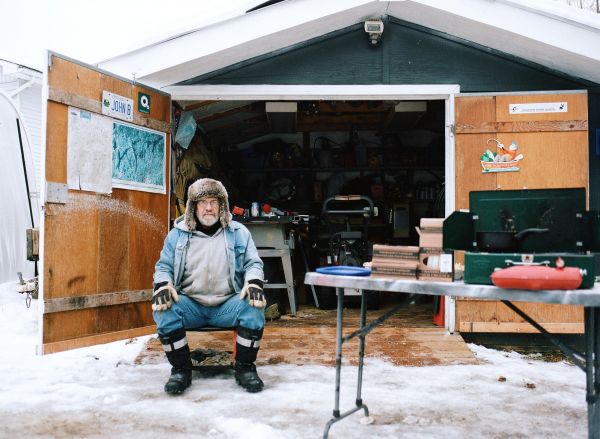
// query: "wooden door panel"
[[71, 237], [471, 112], [550, 160], [555, 150], [113, 251], [468, 168], [471, 311], [549, 313], [99, 250], [576, 105], [56, 136], [146, 237]]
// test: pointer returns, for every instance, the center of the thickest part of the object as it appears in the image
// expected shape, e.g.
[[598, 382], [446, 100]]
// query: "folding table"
[[589, 361]]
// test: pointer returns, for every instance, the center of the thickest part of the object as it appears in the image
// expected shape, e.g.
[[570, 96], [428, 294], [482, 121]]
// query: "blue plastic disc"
[[344, 270]]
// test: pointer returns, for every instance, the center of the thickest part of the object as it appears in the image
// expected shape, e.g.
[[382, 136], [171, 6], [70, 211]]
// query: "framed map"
[[138, 158]]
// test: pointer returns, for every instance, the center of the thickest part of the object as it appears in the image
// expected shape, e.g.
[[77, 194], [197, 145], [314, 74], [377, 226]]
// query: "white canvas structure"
[[20, 99]]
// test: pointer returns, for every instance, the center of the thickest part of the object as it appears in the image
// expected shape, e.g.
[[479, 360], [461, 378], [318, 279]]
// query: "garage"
[[290, 119]]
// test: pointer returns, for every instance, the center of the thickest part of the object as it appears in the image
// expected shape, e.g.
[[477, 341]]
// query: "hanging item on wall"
[[282, 189], [506, 159], [186, 130], [89, 153]]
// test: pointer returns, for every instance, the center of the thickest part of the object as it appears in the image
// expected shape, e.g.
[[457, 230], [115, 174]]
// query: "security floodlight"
[[374, 28]]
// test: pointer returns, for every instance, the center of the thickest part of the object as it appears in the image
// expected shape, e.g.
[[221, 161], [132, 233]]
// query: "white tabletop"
[[588, 297]]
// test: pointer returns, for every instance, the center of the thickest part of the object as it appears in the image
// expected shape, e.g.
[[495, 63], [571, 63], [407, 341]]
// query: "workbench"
[[589, 298], [273, 239]]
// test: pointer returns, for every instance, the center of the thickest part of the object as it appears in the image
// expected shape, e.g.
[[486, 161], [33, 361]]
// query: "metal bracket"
[[56, 193]]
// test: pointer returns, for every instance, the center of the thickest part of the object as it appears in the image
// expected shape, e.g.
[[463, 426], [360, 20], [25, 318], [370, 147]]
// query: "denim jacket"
[[244, 262]]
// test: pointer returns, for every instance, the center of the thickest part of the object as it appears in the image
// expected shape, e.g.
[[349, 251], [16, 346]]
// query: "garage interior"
[[291, 157]]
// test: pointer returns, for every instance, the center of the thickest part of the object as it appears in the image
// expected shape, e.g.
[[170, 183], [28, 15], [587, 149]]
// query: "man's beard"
[[208, 220]]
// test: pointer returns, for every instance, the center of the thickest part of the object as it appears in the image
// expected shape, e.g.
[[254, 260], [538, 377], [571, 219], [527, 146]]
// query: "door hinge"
[[451, 129]]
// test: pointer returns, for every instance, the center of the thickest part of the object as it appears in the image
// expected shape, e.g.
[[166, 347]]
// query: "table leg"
[[338, 349], [592, 372], [594, 429], [361, 351], [338, 359], [337, 416]]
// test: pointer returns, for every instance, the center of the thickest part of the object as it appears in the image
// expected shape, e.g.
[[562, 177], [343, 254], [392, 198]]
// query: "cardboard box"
[[430, 232], [395, 273], [403, 263], [434, 275], [434, 258], [399, 269], [435, 265], [432, 225], [402, 252], [393, 277]]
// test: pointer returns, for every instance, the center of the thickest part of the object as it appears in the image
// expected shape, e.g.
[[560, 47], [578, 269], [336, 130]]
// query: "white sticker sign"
[[445, 263], [117, 106], [539, 107]]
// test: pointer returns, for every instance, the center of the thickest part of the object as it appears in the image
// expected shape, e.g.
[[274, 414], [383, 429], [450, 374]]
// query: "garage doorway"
[[292, 152]]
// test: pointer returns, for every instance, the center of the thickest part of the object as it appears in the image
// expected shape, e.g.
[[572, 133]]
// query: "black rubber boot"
[[178, 353], [246, 350], [246, 377]]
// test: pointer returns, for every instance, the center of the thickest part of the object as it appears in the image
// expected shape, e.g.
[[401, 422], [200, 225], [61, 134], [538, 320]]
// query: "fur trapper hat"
[[206, 187]]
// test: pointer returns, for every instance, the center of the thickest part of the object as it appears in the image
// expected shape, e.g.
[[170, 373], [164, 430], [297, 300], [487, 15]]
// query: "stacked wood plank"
[[395, 261]]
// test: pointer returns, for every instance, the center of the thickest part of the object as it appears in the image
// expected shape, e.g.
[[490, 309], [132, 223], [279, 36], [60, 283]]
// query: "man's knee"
[[168, 320], [252, 318]]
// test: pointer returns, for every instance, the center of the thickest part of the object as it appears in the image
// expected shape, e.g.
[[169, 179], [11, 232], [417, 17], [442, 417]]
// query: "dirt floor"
[[408, 338]]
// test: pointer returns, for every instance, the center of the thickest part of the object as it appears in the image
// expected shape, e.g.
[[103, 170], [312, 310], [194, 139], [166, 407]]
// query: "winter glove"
[[163, 297], [256, 296]]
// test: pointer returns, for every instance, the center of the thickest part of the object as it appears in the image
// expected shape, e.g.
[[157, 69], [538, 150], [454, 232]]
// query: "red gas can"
[[527, 277]]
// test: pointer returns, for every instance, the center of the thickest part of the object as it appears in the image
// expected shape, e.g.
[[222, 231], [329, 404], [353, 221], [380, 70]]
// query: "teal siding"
[[407, 55]]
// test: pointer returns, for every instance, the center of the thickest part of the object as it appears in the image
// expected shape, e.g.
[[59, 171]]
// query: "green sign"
[[143, 103]]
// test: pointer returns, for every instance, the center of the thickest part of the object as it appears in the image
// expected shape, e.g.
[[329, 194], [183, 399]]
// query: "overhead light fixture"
[[282, 116], [406, 114], [411, 107], [374, 29]]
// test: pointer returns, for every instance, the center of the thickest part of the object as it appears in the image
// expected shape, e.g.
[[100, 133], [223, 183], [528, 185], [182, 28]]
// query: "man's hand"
[[256, 296], [163, 297]]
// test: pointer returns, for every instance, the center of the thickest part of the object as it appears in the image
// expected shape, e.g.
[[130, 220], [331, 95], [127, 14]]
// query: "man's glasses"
[[206, 203]]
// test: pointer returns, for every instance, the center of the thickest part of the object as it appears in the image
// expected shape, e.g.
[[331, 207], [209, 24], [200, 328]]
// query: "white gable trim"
[[223, 44], [310, 92], [554, 36]]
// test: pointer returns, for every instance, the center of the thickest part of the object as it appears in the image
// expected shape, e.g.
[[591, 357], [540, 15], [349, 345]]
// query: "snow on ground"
[[99, 392]]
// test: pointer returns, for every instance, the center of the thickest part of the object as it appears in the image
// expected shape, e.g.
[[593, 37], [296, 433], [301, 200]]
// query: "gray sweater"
[[206, 276]]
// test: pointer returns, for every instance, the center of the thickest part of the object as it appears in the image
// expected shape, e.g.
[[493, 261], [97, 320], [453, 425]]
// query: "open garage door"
[[106, 205]]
